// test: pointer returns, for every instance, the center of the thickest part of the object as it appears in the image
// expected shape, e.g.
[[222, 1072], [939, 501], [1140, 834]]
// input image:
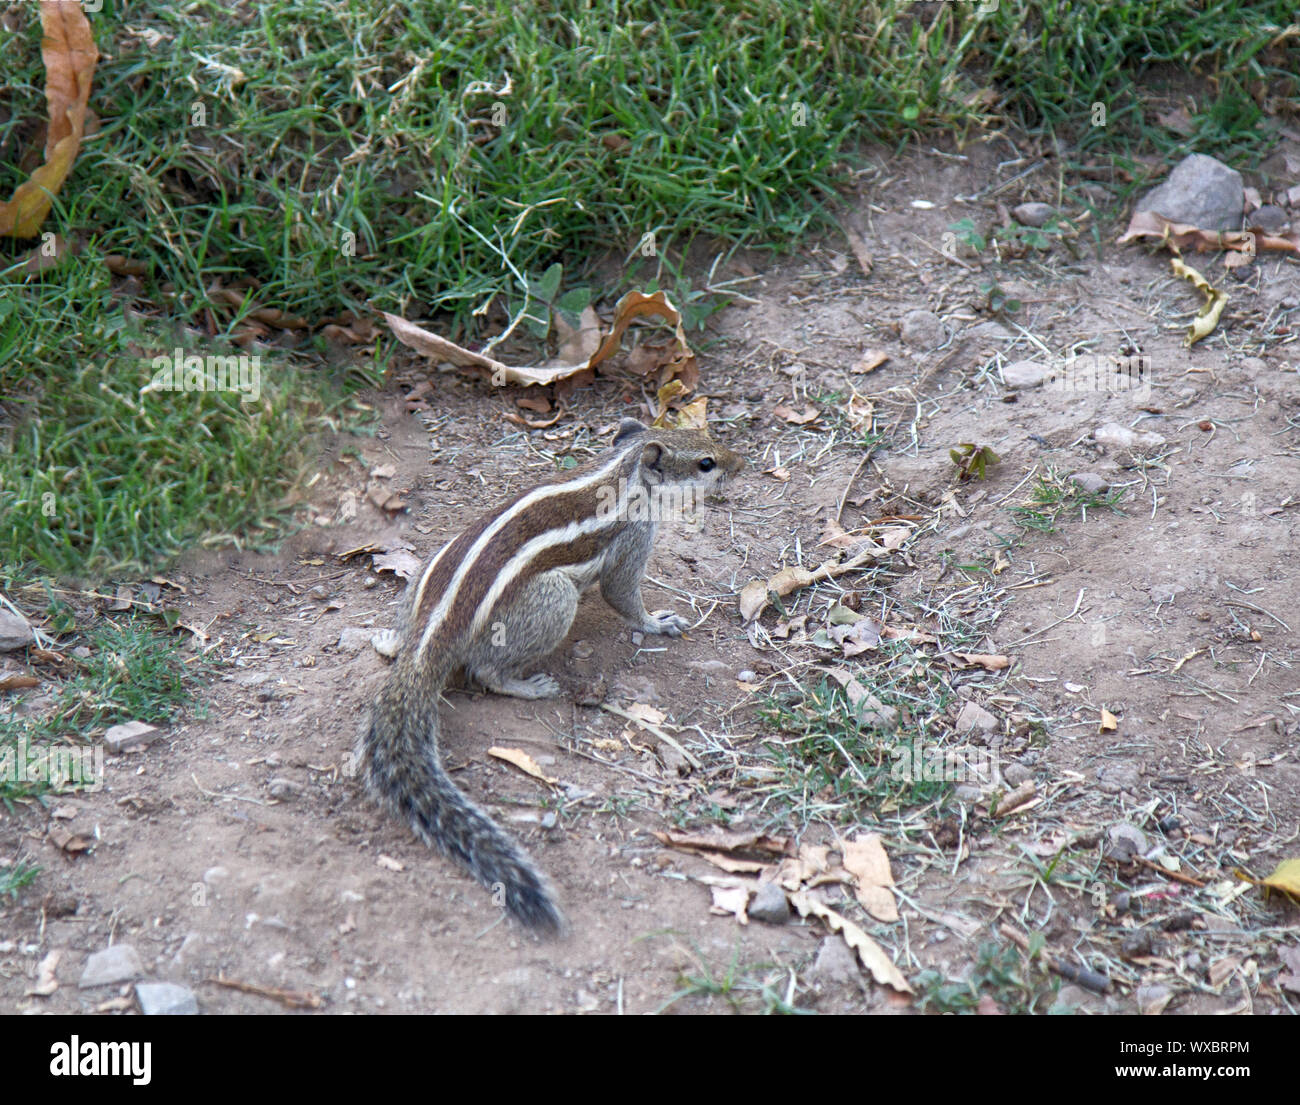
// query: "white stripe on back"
[[439, 613], [511, 570]]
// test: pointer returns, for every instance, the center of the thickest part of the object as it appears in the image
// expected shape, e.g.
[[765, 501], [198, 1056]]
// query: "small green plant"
[[15, 876], [967, 233], [972, 460], [754, 988], [1052, 496], [997, 301], [1000, 972]]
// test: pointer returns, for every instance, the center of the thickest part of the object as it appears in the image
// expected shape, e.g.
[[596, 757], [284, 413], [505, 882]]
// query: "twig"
[[1088, 979], [652, 728]]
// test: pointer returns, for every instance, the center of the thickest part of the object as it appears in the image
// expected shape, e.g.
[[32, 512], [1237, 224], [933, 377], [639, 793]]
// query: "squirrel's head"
[[680, 457]]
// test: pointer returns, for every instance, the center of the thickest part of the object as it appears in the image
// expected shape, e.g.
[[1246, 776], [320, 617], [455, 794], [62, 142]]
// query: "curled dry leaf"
[[680, 365], [715, 839], [69, 53], [398, 561], [1207, 318], [871, 954], [1179, 236], [987, 661]]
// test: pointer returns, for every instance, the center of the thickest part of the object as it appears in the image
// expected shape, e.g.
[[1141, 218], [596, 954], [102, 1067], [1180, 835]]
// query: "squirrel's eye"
[[707, 464]]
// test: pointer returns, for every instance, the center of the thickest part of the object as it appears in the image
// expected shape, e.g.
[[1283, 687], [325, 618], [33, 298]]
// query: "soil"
[[240, 848]]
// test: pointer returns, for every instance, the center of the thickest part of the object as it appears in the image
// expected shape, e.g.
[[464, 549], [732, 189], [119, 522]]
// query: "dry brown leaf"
[[715, 839], [69, 53], [533, 424], [46, 983], [681, 365], [732, 865], [1109, 722], [860, 413], [753, 597], [635, 305], [871, 954], [1179, 236], [125, 266], [577, 344], [871, 360], [865, 859], [14, 682], [988, 661], [72, 843], [797, 418], [522, 760], [730, 899]]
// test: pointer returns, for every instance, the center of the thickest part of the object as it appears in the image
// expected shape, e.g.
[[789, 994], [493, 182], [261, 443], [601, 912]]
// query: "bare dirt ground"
[[239, 847]]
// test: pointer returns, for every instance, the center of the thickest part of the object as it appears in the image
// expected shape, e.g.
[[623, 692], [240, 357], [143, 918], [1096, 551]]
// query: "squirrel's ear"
[[651, 455], [627, 428]]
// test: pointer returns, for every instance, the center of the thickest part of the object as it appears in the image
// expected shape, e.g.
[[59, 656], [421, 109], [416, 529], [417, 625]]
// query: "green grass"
[[762, 988], [1000, 972], [1053, 497], [829, 754], [131, 671], [15, 876], [332, 156]]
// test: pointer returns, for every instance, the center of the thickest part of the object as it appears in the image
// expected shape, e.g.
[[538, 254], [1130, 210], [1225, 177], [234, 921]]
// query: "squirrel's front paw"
[[667, 623]]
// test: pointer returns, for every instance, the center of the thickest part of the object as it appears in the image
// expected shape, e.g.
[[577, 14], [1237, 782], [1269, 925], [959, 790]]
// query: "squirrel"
[[501, 596]]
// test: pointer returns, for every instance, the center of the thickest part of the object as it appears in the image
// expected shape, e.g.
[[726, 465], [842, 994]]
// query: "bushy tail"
[[398, 756]]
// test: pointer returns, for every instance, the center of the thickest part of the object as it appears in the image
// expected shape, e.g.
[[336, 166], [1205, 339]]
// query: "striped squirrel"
[[501, 596]]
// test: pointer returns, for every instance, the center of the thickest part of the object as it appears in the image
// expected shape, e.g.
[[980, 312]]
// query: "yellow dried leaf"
[[68, 50], [871, 954], [1207, 318], [522, 760], [1109, 722], [865, 859]]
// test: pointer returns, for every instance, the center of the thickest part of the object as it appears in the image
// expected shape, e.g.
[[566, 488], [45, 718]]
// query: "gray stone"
[[1112, 433], [1270, 219], [1015, 774], [974, 716], [120, 963], [15, 632], [769, 904], [131, 735], [923, 330], [990, 330], [835, 962], [1090, 483], [285, 790], [166, 999], [1115, 777], [1201, 191], [1033, 214], [1025, 374]]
